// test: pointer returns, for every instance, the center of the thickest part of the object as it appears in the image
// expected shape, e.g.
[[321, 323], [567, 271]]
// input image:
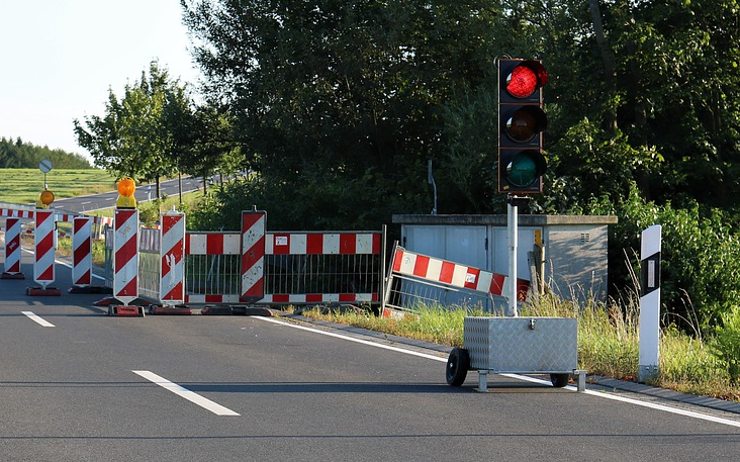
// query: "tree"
[[136, 136]]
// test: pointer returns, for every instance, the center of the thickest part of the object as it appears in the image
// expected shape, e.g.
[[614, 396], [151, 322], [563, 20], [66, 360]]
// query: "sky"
[[60, 57]]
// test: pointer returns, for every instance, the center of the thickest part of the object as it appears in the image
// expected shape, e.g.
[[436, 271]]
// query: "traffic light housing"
[[521, 122]]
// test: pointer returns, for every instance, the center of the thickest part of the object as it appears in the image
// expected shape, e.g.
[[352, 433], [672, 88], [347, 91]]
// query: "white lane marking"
[[182, 392], [350, 339], [658, 407], [37, 319], [67, 265]]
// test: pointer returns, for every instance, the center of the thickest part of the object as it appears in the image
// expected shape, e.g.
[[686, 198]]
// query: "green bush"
[[700, 257], [726, 343]]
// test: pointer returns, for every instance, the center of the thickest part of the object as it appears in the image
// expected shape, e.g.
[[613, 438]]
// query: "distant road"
[[143, 193]]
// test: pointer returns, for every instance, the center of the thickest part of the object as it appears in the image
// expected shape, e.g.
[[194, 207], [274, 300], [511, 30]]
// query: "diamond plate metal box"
[[522, 344]]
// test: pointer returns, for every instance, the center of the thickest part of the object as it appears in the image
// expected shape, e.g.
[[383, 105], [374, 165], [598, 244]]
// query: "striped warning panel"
[[323, 244], [12, 246], [43, 267], [81, 253], [172, 284], [253, 255], [453, 274], [125, 255], [320, 298]]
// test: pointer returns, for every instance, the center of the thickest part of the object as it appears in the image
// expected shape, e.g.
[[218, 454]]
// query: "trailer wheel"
[[457, 366], [559, 380]]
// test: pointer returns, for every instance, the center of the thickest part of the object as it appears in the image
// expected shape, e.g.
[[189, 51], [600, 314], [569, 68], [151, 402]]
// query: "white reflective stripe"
[[231, 244], [458, 276], [408, 261], [364, 244], [484, 281], [330, 298], [197, 244], [331, 244], [298, 244], [434, 269]]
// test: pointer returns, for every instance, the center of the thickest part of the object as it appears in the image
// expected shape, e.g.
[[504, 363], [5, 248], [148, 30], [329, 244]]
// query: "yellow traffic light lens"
[[525, 123]]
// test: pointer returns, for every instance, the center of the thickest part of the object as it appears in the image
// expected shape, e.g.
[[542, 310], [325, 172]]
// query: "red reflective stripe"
[[348, 244], [377, 242], [84, 279], [314, 244], [48, 274], [347, 297], [282, 249], [473, 283], [497, 284], [448, 270], [175, 293], [314, 298], [280, 298], [187, 243], [375, 297], [421, 266], [397, 260], [131, 289], [214, 298], [214, 244]]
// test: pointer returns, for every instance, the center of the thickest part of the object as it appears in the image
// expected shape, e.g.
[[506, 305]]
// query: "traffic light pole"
[[511, 229]]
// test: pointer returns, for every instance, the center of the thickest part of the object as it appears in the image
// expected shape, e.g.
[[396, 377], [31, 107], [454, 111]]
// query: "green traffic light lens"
[[525, 168]]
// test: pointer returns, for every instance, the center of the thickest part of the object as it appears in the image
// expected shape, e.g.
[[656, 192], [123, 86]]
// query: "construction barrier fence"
[[299, 267]]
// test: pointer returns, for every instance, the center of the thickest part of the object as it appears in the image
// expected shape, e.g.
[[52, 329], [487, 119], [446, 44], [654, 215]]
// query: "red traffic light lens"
[[525, 79], [522, 82]]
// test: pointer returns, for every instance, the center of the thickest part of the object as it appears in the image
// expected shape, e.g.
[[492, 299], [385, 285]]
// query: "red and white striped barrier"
[[172, 284], [12, 268], [82, 251], [323, 244], [16, 213], [126, 255], [453, 274], [43, 267], [253, 256]]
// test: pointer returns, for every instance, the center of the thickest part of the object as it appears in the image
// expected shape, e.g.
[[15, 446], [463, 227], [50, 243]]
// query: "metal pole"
[[512, 218]]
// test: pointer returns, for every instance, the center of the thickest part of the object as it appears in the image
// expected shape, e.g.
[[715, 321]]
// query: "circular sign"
[[45, 166]]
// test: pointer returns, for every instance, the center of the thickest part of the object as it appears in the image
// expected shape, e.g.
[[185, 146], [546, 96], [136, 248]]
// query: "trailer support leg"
[[482, 381]]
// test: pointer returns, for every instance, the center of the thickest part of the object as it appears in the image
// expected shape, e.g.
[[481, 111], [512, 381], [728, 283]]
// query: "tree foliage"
[[19, 154], [338, 105]]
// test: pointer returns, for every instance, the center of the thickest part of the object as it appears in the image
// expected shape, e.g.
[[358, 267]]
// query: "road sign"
[[45, 166]]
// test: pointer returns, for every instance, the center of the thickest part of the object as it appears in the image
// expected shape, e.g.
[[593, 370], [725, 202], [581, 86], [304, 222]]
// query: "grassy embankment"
[[607, 342], [23, 185]]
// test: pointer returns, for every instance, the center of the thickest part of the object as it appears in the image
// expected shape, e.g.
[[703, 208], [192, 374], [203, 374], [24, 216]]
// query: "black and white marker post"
[[649, 304]]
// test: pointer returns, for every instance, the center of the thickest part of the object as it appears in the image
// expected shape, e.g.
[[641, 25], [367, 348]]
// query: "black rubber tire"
[[457, 366], [559, 380]]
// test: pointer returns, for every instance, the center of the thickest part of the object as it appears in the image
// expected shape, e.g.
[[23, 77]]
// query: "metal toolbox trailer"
[[524, 345]]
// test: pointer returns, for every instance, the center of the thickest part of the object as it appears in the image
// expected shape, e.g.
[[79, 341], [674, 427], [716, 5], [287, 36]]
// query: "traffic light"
[[521, 162]]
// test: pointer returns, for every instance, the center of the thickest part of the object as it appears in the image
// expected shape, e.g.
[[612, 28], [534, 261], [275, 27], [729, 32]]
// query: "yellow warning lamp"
[[45, 199], [126, 189]]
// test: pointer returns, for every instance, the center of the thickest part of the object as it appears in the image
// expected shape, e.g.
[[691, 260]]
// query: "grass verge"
[[23, 185]]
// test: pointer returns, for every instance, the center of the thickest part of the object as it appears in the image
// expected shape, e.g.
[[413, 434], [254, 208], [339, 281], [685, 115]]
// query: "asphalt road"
[[70, 393], [143, 193]]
